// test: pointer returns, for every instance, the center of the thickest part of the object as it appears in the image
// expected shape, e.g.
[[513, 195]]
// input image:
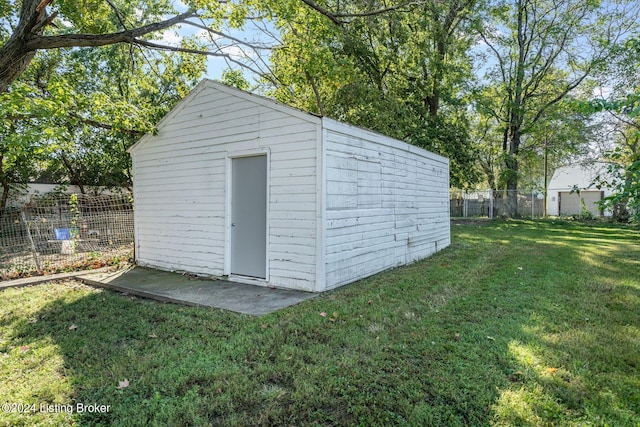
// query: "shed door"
[[249, 216]]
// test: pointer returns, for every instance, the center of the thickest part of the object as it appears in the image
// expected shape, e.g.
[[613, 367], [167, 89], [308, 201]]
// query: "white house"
[[562, 199], [238, 185], [24, 195]]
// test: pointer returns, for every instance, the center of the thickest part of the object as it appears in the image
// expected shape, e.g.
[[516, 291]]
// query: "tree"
[[80, 80], [544, 50], [83, 108], [18, 160], [29, 26], [618, 103], [35, 29], [403, 73]]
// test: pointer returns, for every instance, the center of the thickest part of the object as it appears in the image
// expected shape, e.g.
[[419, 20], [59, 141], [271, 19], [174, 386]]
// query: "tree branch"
[[90, 122], [118, 13], [228, 57], [90, 40], [335, 16], [255, 47]]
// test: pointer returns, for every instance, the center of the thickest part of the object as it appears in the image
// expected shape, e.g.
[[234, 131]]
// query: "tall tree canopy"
[[80, 80], [542, 50], [619, 103], [72, 112], [404, 73]]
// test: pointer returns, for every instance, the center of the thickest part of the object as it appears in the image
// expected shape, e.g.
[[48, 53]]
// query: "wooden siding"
[[180, 184], [344, 203], [387, 203]]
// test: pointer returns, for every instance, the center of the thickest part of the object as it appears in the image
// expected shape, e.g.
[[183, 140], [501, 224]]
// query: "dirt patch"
[[479, 222], [22, 265]]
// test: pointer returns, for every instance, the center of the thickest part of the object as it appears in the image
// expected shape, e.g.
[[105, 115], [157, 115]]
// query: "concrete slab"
[[184, 289]]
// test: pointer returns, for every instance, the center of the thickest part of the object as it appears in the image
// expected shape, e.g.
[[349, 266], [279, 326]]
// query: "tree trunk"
[[15, 56], [5, 186], [14, 60], [75, 176], [512, 195], [5, 197], [511, 163]]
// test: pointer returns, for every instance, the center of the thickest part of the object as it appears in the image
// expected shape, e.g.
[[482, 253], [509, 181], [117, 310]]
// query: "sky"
[[216, 65]]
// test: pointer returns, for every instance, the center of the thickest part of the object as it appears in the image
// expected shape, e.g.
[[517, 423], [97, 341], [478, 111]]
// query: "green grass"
[[517, 323]]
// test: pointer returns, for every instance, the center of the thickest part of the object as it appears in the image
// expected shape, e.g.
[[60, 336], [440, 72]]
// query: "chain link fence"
[[493, 204], [65, 232]]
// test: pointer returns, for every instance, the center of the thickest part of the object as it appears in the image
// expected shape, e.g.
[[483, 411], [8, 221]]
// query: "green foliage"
[[628, 104], [622, 107], [403, 74], [81, 108], [543, 52], [625, 183], [235, 78], [451, 137]]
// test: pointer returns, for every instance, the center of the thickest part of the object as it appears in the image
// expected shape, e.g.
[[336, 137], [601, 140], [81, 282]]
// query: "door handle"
[[233, 224]]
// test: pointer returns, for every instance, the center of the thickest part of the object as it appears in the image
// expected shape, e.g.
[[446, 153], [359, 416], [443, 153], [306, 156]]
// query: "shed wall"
[[387, 203], [180, 186]]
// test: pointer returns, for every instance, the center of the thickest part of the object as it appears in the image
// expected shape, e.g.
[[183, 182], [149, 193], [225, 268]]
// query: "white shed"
[[238, 185], [562, 197]]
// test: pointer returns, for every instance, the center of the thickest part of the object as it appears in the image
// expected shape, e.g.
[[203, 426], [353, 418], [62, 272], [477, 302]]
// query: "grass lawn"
[[517, 323]]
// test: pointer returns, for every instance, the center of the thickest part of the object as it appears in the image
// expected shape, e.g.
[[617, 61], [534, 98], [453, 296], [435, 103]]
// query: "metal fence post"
[[465, 205], [532, 206], [34, 252], [490, 204]]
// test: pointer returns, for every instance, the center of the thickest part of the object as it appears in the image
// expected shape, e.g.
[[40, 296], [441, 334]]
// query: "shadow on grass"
[[515, 324], [575, 340]]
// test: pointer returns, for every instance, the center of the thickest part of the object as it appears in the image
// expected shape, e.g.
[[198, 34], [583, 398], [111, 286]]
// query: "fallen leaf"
[[551, 370], [456, 337], [123, 384], [73, 327], [263, 326], [25, 348], [490, 338], [153, 336], [323, 314]]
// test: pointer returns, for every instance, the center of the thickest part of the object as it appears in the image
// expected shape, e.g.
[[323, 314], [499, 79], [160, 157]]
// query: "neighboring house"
[[562, 197], [27, 192], [238, 185], [33, 189]]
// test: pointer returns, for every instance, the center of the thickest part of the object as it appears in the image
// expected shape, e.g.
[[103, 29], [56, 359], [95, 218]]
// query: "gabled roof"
[[207, 84]]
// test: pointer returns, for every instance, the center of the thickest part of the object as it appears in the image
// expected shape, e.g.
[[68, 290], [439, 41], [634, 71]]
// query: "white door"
[[249, 216]]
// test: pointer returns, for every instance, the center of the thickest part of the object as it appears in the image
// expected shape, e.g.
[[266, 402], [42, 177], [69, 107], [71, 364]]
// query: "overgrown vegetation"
[[517, 323]]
